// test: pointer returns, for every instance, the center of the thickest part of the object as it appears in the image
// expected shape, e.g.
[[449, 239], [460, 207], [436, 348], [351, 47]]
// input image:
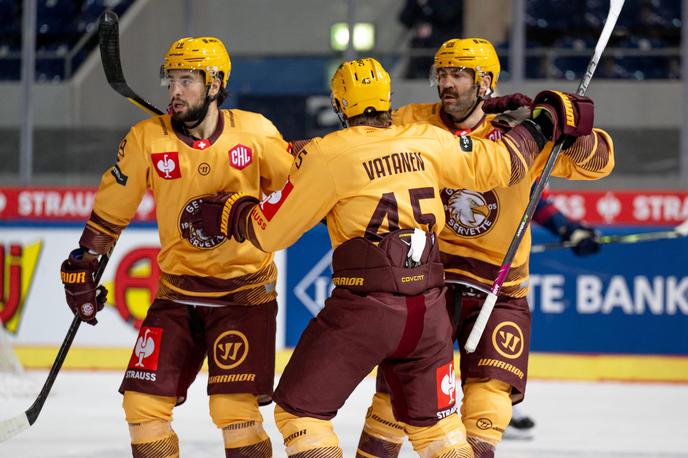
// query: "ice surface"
[[83, 418]]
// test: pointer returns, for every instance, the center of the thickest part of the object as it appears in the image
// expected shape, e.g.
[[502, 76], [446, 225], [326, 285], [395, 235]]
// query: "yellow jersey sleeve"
[[589, 158], [304, 200]]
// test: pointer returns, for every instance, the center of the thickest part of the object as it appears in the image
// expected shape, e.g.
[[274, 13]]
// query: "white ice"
[[83, 418]]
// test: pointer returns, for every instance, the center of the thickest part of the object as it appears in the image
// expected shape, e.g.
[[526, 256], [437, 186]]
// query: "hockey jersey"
[[245, 152], [481, 223], [369, 181]]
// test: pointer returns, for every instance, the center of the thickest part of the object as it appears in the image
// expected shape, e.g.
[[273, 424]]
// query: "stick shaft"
[[477, 331]]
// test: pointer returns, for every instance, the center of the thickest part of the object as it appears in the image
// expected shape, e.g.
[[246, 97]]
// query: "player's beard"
[[461, 105], [191, 114]]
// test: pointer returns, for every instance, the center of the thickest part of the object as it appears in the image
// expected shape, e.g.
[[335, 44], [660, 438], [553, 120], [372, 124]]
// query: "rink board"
[[621, 314]]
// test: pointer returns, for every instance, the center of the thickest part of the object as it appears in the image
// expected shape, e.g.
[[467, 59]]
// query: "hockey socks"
[[382, 435], [307, 437], [242, 425]]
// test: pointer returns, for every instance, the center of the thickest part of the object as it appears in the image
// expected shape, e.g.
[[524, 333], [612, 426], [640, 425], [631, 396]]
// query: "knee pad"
[[241, 423], [444, 439], [486, 409], [149, 418], [307, 434], [142, 407], [382, 435]]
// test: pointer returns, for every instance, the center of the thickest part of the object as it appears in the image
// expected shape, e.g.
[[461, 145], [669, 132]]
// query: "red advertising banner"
[[638, 207], [58, 204], [646, 207]]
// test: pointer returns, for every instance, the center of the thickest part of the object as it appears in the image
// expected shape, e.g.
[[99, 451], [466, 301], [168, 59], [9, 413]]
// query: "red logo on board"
[[147, 349], [240, 156], [446, 386], [274, 201], [167, 165]]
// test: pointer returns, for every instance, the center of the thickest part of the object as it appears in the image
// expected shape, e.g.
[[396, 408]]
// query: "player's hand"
[[562, 114], [583, 238], [506, 103], [220, 214], [83, 296]]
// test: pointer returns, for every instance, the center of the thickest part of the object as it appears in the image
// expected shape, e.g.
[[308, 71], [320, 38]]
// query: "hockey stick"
[[13, 426], [677, 232], [486, 310], [108, 40]]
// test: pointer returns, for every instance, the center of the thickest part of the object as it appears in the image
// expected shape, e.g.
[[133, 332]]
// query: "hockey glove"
[[83, 296], [222, 214], [583, 238], [561, 114], [506, 103]]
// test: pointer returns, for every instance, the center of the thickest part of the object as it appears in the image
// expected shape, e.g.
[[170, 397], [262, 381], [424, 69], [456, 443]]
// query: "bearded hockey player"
[[479, 227], [216, 297]]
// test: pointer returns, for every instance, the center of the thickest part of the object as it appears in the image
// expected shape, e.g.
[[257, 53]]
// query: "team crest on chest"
[[240, 156], [470, 213], [166, 165]]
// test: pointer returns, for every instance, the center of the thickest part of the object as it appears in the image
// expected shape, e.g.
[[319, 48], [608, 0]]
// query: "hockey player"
[[379, 186], [479, 227], [216, 297]]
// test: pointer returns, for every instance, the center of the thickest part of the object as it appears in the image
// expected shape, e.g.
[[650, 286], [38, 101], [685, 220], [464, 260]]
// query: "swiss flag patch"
[[446, 386], [201, 144], [147, 349], [167, 165], [240, 156], [274, 201]]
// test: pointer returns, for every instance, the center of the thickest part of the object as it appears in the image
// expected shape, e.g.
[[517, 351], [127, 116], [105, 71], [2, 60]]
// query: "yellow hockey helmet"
[[477, 54], [359, 85], [206, 54]]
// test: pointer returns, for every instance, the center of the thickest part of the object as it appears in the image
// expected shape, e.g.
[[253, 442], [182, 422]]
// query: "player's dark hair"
[[372, 118]]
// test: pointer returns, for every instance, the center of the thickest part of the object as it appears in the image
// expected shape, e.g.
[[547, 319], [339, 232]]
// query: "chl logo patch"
[[240, 156], [167, 165], [274, 201], [445, 378], [147, 349], [470, 213], [507, 339], [230, 349]]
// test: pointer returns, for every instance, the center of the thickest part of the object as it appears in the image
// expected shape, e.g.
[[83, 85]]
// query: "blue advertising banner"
[[627, 299]]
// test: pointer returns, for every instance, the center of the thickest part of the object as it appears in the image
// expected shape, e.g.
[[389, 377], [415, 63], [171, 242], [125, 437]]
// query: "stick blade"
[[682, 229], [13, 426]]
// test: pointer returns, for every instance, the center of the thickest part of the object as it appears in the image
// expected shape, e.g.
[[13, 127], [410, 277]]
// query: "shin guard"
[[242, 425], [485, 411], [382, 435], [307, 437], [445, 439]]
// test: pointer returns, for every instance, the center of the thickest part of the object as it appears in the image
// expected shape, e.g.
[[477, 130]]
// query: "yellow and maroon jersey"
[[369, 181], [480, 224], [245, 152]]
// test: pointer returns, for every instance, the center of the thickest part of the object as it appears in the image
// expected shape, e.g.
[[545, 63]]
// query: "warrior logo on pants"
[[230, 349]]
